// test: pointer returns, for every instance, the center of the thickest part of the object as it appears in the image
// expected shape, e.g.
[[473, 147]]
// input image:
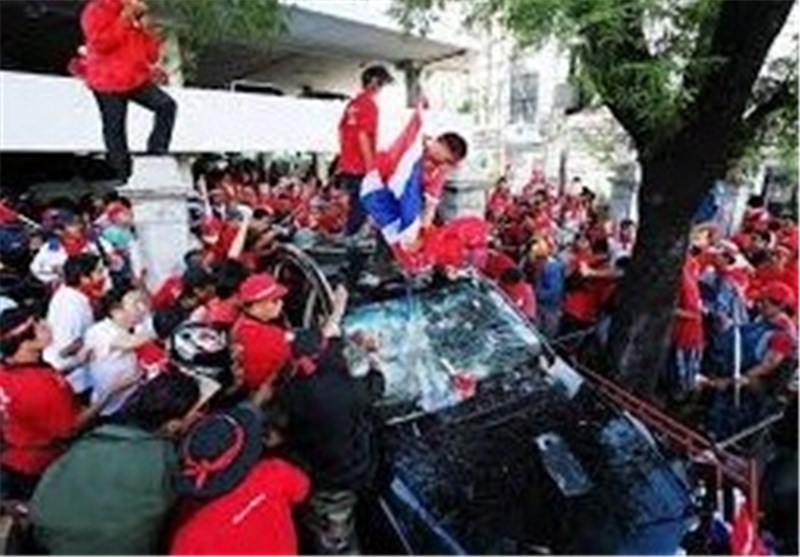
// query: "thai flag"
[[392, 193]]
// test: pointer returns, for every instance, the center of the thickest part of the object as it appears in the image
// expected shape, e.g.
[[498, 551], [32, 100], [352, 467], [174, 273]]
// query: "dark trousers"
[[114, 112], [357, 215], [16, 486]]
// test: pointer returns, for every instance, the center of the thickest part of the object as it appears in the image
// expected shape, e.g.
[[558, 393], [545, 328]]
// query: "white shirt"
[[69, 316], [49, 261], [108, 365]]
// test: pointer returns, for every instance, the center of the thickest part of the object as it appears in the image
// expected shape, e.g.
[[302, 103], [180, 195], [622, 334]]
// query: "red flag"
[[744, 537]]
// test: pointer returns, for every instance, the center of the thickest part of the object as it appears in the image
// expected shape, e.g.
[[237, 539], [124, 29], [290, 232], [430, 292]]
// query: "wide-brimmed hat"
[[218, 453]]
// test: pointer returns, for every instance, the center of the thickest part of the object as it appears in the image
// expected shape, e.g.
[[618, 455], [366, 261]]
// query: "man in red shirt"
[[38, 409], [687, 332], [236, 502], [769, 359], [119, 64], [440, 156], [358, 136]]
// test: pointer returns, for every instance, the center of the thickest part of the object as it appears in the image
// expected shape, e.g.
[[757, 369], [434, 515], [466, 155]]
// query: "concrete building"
[[519, 100]]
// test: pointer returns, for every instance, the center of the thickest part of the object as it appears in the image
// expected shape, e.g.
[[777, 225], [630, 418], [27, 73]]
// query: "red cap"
[[262, 286], [778, 293]]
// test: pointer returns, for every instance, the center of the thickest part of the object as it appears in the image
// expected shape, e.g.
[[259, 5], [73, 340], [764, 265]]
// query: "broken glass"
[[436, 341]]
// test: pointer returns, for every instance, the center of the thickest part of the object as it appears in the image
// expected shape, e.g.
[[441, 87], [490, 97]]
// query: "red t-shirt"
[[219, 251], [361, 115], [687, 332], [497, 263], [783, 340], [222, 311], [38, 410], [253, 519], [265, 349], [585, 301]]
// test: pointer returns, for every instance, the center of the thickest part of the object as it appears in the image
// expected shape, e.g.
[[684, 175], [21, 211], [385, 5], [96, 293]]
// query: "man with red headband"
[[241, 502], [38, 409]]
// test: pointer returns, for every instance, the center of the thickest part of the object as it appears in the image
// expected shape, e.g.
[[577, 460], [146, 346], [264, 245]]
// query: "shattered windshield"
[[436, 345]]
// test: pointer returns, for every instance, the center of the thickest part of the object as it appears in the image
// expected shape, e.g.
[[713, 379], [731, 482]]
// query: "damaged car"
[[491, 443]]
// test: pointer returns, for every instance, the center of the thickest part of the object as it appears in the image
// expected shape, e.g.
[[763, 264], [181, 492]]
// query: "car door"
[[308, 302]]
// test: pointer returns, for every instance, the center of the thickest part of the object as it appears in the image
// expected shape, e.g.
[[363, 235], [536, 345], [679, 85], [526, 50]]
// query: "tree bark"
[[640, 334]]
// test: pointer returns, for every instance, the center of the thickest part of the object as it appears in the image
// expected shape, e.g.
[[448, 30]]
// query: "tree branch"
[[753, 122], [606, 51], [742, 37]]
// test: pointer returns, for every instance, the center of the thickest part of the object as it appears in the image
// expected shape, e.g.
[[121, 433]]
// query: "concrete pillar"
[[158, 190], [411, 73]]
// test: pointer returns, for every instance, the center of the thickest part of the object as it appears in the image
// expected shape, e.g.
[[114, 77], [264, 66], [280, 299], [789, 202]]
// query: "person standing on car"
[[119, 62], [358, 137], [329, 429]]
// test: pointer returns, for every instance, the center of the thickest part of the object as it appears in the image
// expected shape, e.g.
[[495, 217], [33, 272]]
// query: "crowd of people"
[[734, 338], [189, 418], [196, 404]]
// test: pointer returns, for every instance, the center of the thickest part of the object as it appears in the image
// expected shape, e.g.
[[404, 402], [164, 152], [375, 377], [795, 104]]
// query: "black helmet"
[[203, 350]]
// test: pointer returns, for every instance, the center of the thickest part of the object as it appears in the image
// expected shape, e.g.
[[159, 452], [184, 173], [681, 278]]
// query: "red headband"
[[21, 328], [202, 468]]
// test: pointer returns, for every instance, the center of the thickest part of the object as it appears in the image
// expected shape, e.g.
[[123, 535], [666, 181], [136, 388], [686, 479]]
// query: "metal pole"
[[754, 495]]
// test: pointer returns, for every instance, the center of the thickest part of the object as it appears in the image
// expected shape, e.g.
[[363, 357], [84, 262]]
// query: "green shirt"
[[109, 494]]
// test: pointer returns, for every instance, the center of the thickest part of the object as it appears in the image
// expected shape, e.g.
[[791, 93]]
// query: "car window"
[[302, 304], [436, 345]]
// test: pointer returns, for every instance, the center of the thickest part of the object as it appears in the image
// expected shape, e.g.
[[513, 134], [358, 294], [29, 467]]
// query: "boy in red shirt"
[[38, 409], [358, 139], [265, 346]]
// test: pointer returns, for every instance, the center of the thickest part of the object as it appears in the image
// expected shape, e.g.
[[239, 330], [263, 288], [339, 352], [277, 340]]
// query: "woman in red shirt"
[[38, 410]]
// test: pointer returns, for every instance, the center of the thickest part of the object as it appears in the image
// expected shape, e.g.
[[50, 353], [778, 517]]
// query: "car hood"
[[525, 469]]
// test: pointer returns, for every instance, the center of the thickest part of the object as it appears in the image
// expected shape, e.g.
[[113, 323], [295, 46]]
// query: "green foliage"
[[645, 59], [201, 23]]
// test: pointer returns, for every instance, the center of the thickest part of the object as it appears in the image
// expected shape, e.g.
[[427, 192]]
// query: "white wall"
[[56, 114]]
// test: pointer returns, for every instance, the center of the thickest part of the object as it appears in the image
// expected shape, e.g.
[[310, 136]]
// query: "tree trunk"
[[641, 327]]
